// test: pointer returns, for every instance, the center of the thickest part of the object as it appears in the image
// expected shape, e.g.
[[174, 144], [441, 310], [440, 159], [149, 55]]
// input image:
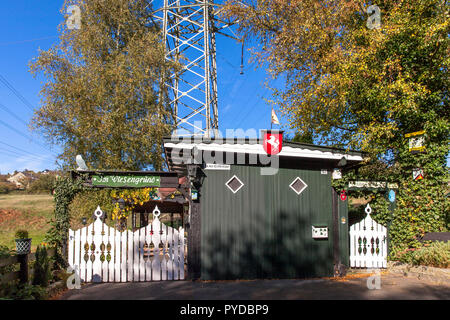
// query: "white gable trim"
[[286, 151]]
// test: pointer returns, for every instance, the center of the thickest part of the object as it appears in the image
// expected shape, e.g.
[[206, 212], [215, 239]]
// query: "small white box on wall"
[[319, 232]]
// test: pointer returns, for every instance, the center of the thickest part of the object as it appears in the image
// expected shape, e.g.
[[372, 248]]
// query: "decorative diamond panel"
[[234, 184], [298, 185]]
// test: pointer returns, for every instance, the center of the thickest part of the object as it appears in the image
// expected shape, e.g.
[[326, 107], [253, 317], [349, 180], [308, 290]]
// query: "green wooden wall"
[[344, 241], [264, 230]]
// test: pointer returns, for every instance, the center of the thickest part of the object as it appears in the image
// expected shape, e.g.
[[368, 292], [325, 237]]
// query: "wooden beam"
[[12, 276], [336, 247], [194, 242], [23, 271], [8, 261]]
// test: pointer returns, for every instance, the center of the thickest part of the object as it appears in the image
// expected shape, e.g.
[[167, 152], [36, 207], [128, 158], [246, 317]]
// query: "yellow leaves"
[[133, 198]]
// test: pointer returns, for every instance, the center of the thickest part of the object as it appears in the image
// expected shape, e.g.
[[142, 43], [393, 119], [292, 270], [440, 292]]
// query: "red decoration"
[[343, 195], [273, 142]]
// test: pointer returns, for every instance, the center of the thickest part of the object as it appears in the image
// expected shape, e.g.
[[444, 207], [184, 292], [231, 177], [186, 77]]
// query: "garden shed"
[[259, 216]]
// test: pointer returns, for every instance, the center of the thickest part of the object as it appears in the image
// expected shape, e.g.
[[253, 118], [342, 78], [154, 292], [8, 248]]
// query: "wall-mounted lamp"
[[84, 221], [194, 194]]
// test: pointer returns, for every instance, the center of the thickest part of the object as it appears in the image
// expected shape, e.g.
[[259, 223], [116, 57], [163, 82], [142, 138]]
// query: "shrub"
[[42, 274], [44, 183], [21, 234], [6, 187], [85, 203], [26, 292], [5, 252], [436, 255]]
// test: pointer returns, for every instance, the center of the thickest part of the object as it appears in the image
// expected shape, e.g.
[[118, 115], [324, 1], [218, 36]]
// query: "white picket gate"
[[98, 253], [368, 244]]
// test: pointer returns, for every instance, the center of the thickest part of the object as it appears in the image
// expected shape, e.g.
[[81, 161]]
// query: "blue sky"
[[27, 26]]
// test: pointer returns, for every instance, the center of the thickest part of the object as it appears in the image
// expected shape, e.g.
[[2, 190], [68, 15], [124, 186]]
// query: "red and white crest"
[[273, 142]]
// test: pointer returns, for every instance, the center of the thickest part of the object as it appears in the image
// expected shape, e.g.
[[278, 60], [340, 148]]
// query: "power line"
[[16, 93], [251, 109], [23, 151], [235, 95], [12, 114], [243, 109], [17, 154], [23, 135], [6, 152], [11, 154], [27, 40]]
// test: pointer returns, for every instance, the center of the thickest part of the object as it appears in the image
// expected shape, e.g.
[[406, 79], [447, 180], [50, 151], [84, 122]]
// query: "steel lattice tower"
[[190, 28]]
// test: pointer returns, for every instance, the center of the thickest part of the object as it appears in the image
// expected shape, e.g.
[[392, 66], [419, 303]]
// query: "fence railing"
[[24, 261]]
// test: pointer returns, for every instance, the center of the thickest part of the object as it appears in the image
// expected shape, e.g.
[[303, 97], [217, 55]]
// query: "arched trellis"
[[68, 187]]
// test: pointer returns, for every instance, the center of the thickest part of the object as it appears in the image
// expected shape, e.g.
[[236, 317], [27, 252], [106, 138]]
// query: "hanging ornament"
[[343, 195]]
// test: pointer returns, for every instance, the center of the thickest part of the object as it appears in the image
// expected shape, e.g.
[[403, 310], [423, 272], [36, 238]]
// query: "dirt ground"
[[352, 287]]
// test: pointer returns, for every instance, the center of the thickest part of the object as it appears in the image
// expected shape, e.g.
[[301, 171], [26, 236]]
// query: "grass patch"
[[24, 211]]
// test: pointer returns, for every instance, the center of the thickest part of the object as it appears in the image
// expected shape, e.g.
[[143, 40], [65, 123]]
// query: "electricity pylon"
[[190, 28]]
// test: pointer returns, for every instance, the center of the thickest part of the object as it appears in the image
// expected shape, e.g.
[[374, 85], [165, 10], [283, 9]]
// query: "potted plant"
[[23, 243]]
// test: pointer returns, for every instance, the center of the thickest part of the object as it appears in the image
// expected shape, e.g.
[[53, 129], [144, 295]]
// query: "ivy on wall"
[[421, 206]]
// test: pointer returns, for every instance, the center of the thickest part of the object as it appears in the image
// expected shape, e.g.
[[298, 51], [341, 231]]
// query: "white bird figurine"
[[81, 164]]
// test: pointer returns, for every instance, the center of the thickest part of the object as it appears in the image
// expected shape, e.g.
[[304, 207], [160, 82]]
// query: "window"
[[298, 185], [234, 184]]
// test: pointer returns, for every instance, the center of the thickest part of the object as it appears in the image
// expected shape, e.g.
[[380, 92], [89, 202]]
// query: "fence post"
[[23, 272]]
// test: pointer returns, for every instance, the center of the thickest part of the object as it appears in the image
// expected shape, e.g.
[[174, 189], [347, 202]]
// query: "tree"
[[101, 98], [354, 84], [44, 183]]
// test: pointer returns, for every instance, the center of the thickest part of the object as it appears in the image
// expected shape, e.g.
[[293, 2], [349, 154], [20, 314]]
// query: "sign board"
[[272, 141], [391, 195], [337, 174], [417, 174], [217, 166], [372, 184], [133, 181], [416, 141]]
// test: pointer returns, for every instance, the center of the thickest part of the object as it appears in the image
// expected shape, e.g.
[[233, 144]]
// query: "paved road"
[[351, 288]]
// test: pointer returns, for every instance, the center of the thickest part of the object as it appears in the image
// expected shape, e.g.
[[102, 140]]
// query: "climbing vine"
[[64, 192], [421, 205]]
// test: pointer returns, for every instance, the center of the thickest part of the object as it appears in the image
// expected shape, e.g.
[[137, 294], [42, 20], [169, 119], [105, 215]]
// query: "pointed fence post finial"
[[368, 209], [98, 212], [156, 212]]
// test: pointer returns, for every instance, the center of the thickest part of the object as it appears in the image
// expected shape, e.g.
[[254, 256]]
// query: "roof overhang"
[[290, 150], [286, 151]]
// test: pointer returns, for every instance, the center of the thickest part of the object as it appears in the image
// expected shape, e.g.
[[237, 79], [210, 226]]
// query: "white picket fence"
[[368, 244], [99, 253]]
